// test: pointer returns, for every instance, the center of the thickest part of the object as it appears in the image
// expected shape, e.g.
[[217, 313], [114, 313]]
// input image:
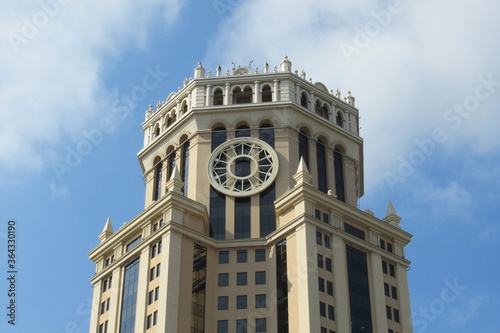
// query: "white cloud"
[[426, 58], [52, 57], [469, 312]]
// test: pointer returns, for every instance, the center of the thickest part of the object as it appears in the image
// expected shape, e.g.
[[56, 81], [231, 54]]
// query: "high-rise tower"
[[251, 221]]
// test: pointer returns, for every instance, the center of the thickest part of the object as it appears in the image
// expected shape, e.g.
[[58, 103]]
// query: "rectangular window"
[[327, 241], [223, 279], [149, 322], [158, 270], [260, 255], [382, 244], [317, 214], [392, 271], [159, 247], [241, 326], [103, 307], [324, 330], [242, 217], [394, 292], [224, 257], [241, 279], [260, 325], [326, 218], [386, 290], [222, 326], [260, 301], [129, 297], [328, 264], [321, 284], [319, 238], [329, 288], [157, 293], [241, 256], [155, 226], [155, 318], [222, 303], [390, 331], [133, 243], [241, 302], [153, 251], [320, 261], [322, 309], [151, 296], [260, 277], [389, 247], [331, 312], [384, 267], [396, 315], [152, 273], [354, 231], [388, 311]]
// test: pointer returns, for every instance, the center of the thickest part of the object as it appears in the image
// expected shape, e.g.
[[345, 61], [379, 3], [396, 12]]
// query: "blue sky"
[[425, 75]]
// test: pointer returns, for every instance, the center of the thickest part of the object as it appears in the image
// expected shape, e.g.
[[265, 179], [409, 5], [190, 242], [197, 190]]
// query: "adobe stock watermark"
[[453, 118], [437, 306], [121, 109], [225, 8], [364, 35], [32, 26]]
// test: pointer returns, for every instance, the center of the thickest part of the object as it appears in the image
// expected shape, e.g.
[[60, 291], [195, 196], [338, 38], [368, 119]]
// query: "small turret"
[[349, 99], [199, 72], [286, 65]]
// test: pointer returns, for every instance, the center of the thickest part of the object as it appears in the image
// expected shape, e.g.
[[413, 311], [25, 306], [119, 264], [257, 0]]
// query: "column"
[[404, 299], [209, 98], [228, 96], [340, 285], [377, 293], [276, 91], [257, 95]]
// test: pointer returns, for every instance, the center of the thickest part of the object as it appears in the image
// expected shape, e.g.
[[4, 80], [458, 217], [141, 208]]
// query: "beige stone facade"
[[207, 249]]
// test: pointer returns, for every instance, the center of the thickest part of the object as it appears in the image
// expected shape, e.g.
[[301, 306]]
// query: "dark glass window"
[[171, 164], [282, 286], [328, 264], [322, 309], [321, 284], [222, 303], [389, 247], [338, 119], [321, 166], [260, 277], [338, 166], [267, 213], [241, 256], [394, 292], [241, 326], [260, 255], [240, 97], [319, 238], [384, 267], [260, 325], [359, 292], [223, 257], [267, 95], [324, 330], [331, 312], [129, 297], [388, 311], [241, 302], [320, 261], [218, 97], [303, 100], [354, 231], [396, 315], [185, 166], [382, 244], [304, 147], [260, 301], [327, 241], [329, 288], [133, 243], [223, 280], [242, 211], [222, 326], [241, 279], [198, 288], [386, 290], [326, 218], [391, 270], [158, 176], [218, 200]]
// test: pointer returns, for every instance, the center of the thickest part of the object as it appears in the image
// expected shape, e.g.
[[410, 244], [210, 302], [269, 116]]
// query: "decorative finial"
[[218, 70], [266, 68]]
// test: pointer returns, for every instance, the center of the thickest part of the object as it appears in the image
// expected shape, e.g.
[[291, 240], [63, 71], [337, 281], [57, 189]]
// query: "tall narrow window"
[[359, 292], [185, 166], [267, 197], [303, 100], [321, 162], [217, 199], [171, 163], [338, 166], [338, 119], [304, 147], [282, 286], [267, 95], [198, 289], [240, 97], [129, 298], [157, 179], [218, 97], [242, 205]]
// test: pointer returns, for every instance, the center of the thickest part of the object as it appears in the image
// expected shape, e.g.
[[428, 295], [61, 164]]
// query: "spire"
[[391, 216], [175, 183], [107, 231], [302, 176]]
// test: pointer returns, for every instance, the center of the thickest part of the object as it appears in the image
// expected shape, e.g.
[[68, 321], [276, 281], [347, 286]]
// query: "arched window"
[[303, 100], [321, 164], [304, 147], [184, 109], [170, 161], [324, 111], [267, 197], [218, 97], [157, 131], [241, 97], [217, 199], [338, 119], [338, 166], [185, 166], [242, 205], [158, 167], [267, 95]]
